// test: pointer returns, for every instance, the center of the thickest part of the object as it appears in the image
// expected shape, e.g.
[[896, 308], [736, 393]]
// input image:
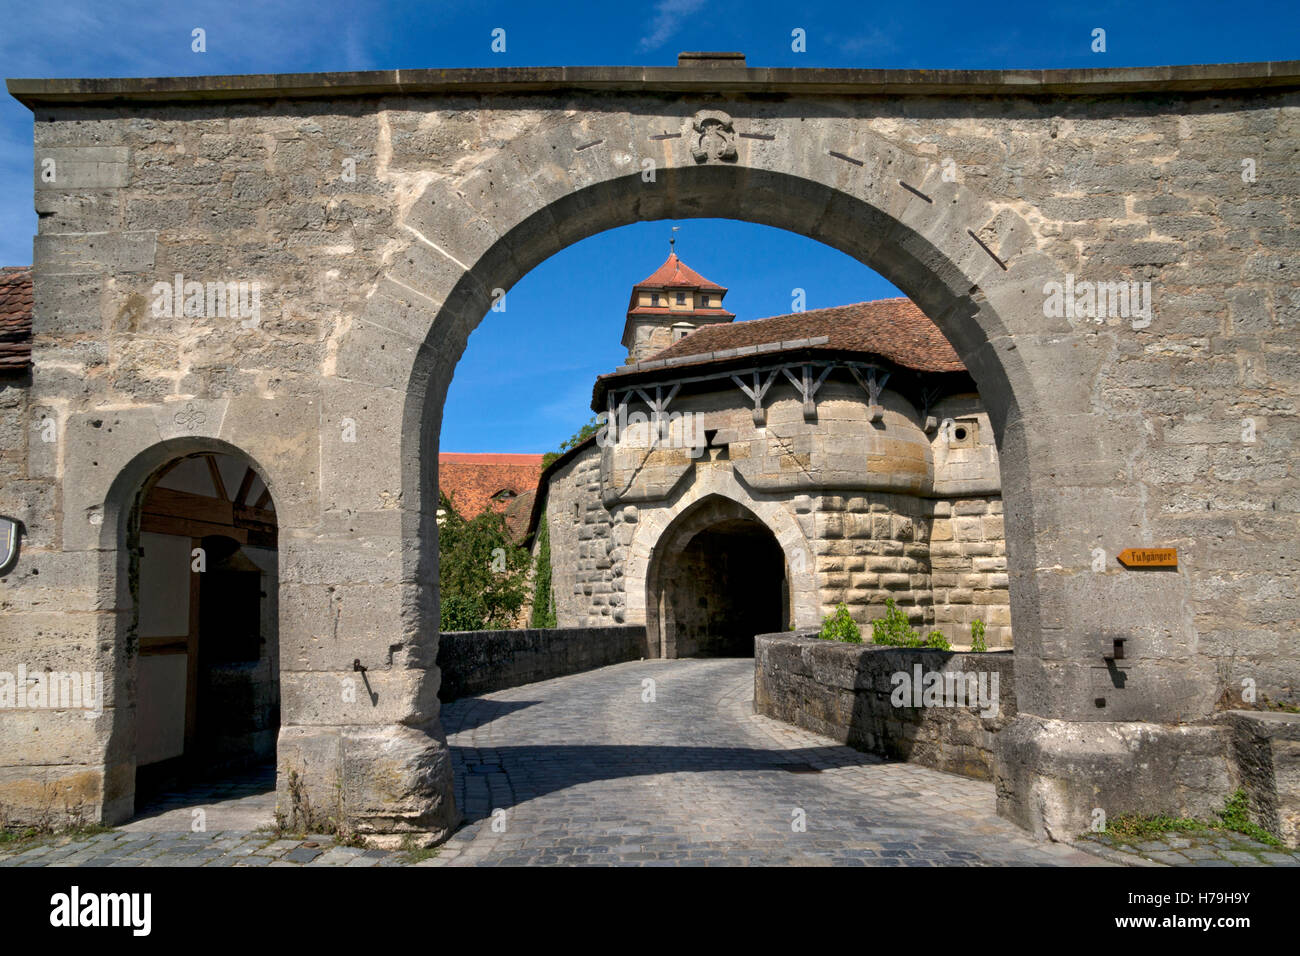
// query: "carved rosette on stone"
[[714, 139]]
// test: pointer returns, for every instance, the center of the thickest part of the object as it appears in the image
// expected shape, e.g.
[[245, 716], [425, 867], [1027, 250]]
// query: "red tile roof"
[[518, 512], [471, 480], [15, 318], [893, 329], [675, 274]]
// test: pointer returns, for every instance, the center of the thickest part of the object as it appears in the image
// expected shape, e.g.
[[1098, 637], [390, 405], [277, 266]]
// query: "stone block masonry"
[[1110, 434], [849, 692]]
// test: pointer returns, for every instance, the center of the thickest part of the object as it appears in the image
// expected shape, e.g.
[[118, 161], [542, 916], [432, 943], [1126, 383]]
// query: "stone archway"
[[174, 645], [465, 180], [508, 216], [716, 577], [717, 494], [203, 542]]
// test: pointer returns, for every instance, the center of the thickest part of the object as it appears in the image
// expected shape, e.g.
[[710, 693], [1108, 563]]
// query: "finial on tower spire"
[[672, 241]]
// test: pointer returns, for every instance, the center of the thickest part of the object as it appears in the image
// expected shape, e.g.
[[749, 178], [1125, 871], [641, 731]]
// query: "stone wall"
[[968, 570], [1114, 431], [847, 692], [478, 662], [1265, 750]]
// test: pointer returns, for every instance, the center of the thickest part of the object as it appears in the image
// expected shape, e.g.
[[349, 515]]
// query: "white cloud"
[[668, 16]]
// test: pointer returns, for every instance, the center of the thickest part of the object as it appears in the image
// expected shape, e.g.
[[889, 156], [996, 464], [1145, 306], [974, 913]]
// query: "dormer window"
[[505, 494]]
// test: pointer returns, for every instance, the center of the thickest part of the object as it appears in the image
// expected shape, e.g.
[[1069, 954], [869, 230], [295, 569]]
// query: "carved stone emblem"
[[191, 417], [714, 140]]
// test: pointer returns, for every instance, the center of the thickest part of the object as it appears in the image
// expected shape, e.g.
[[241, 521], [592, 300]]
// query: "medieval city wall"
[[375, 223]]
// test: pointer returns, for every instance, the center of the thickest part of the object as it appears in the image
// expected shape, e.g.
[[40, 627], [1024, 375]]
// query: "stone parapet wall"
[[845, 691], [477, 662]]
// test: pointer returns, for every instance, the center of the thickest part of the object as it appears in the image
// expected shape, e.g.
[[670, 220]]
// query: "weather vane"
[[672, 240]]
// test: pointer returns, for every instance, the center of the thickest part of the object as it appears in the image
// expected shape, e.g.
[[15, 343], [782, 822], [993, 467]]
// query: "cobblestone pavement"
[[583, 771], [1211, 848]]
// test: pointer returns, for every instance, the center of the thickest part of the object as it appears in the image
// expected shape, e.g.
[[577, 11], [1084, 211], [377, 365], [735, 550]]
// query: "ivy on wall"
[[543, 593]]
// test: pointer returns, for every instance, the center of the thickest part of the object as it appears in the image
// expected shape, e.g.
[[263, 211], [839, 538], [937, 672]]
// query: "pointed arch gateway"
[[717, 575]]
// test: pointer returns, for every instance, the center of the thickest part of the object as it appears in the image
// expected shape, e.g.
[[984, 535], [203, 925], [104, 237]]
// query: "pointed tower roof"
[[675, 274]]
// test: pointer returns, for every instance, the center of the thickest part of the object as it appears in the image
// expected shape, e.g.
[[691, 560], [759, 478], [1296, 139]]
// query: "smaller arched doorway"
[[717, 577], [207, 680]]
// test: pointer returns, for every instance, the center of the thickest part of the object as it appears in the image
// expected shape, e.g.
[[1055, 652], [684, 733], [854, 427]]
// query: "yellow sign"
[[1149, 557]]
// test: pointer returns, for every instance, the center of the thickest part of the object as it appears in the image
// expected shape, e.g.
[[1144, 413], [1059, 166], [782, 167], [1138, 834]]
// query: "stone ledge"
[[655, 79]]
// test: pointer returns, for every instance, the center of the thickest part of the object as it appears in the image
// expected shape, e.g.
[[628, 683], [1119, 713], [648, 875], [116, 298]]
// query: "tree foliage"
[[543, 594], [482, 574]]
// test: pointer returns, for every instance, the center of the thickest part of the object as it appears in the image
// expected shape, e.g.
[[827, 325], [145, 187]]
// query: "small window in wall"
[[963, 433], [654, 299], [681, 331], [681, 298]]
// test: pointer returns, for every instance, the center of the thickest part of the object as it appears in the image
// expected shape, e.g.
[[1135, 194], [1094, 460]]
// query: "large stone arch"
[[968, 264]]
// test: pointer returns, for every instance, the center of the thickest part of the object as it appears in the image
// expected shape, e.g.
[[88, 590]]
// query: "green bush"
[[462, 613], [977, 636], [893, 629], [482, 573], [938, 641], [840, 626]]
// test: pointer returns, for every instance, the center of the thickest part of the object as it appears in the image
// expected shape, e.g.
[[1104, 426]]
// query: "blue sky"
[[534, 412]]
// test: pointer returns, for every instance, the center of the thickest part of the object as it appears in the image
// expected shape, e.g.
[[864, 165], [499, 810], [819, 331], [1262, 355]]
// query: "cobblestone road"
[[584, 771], [587, 772]]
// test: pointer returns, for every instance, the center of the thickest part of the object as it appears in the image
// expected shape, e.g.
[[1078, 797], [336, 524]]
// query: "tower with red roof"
[[671, 303]]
